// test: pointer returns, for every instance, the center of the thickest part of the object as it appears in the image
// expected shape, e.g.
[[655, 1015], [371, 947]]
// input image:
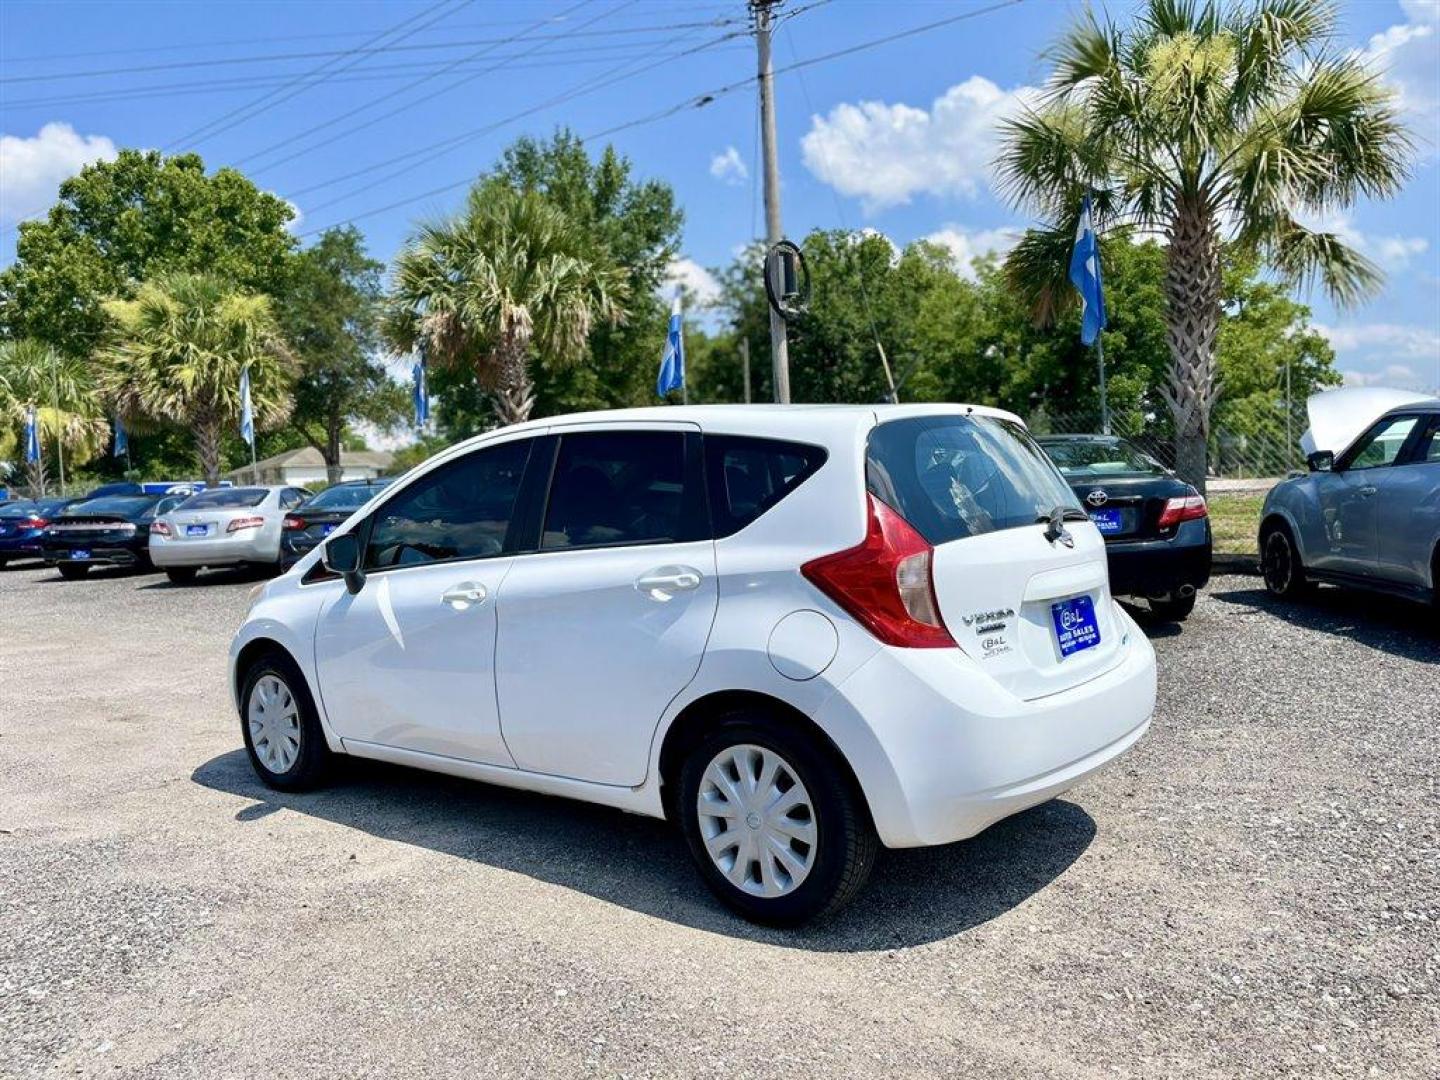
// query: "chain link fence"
[[1247, 439]]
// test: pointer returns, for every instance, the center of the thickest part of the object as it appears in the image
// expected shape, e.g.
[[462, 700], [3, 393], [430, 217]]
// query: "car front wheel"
[[779, 833], [281, 728], [1280, 564]]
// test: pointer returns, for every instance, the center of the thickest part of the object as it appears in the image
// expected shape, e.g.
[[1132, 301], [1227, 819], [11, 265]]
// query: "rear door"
[[606, 621], [1029, 603]]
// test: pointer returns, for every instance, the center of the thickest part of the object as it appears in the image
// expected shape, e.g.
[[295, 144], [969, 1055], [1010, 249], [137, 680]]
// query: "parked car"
[[235, 526], [119, 487], [1368, 514], [112, 530], [21, 523], [800, 633], [318, 516], [1156, 526]]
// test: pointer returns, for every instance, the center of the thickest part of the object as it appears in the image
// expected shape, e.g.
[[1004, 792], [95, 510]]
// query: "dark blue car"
[[21, 524]]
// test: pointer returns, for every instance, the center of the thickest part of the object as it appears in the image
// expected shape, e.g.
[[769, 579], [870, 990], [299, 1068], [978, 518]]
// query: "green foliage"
[[123, 222], [59, 387], [329, 314]]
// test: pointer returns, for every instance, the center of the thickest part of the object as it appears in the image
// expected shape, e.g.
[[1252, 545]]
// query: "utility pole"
[[779, 349], [745, 365]]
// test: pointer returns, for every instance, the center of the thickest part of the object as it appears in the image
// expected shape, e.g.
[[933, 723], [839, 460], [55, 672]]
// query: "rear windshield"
[[224, 499], [345, 497], [113, 504], [1081, 458], [957, 476], [19, 510]]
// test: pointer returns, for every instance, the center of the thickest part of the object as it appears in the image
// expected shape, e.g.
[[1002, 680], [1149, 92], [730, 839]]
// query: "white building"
[[305, 466]]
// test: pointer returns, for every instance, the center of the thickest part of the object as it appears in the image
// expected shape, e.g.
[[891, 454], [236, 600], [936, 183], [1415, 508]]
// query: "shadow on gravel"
[[1394, 626], [914, 897], [228, 576]]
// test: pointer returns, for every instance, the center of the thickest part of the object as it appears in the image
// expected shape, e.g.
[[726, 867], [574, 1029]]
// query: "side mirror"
[[1321, 461], [341, 555]]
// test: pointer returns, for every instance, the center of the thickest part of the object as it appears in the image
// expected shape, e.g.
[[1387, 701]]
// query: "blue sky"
[[895, 138]]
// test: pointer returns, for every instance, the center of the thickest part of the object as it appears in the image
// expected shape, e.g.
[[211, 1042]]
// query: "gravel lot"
[[1254, 891]]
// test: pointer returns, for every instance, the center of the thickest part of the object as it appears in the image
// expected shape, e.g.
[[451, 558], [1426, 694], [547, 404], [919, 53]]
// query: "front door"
[[1348, 504], [408, 661], [605, 623]]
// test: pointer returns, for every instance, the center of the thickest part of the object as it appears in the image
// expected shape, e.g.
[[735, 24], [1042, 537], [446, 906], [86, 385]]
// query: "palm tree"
[[509, 277], [177, 353], [1206, 123], [66, 405]]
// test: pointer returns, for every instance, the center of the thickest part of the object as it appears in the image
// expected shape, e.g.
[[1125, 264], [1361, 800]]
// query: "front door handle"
[[664, 582], [464, 595], [1366, 492]]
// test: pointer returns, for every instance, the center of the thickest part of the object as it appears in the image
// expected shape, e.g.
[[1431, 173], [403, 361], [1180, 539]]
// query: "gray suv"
[[1368, 516]]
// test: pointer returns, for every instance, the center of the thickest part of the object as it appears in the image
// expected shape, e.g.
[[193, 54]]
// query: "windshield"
[[225, 499], [343, 497], [957, 476], [123, 505], [1100, 457]]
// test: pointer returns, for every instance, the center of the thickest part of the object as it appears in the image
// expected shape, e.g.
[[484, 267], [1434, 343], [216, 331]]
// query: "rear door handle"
[[464, 595], [664, 582]]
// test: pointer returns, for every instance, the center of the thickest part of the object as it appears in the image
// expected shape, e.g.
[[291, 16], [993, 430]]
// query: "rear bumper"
[[1161, 567], [98, 554], [942, 752], [230, 551], [17, 547]]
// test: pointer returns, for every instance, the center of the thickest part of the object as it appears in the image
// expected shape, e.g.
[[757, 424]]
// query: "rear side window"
[[624, 487], [957, 476], [461, 510], [748, 476]]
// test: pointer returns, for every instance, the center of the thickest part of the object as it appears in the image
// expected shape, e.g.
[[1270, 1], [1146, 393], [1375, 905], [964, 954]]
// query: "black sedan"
[[1156, 526], [113, 530], [316, 518]]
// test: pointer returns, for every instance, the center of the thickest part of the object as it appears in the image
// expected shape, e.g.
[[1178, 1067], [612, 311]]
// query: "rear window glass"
[[957, 476], [1081, 458], [346, 497], [113, 504], [748, 476], [225, 499], [19, 510]]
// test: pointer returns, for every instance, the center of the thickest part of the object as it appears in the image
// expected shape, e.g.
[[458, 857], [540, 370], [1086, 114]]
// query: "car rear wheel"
[[1176, 609], [778, 832], [180, 575], [1280, 565], [280, 726], [73, 571]]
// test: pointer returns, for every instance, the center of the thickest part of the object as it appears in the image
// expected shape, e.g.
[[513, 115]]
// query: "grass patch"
[[1235, 521]]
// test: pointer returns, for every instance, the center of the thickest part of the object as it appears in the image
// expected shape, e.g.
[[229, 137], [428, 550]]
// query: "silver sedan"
[[223, 527]]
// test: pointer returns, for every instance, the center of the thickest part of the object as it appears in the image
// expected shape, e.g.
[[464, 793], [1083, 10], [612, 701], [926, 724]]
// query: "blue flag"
[[32, 437], [1085, 275], [122, 440], [420, 394], [672, 363], [247, 415]]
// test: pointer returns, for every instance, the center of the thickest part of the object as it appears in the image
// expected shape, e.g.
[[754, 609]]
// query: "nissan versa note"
[[797, 632]]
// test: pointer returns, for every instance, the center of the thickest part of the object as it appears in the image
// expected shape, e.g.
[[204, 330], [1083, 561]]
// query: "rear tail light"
[[294, 523], [885, 582], [244, 523], [159, 528], [39, 523], [1183, 508]]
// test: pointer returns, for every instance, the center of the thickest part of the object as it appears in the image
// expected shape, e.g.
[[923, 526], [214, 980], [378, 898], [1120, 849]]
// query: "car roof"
[[1063, 437], [1428, 408]]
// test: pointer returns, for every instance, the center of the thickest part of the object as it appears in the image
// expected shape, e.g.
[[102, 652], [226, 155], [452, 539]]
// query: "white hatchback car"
[[799, 632]]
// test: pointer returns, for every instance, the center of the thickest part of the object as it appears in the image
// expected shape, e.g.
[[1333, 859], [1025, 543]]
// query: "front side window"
[[624, 487], [956, 476], [1383, 444], [462, 510], [747, 476]]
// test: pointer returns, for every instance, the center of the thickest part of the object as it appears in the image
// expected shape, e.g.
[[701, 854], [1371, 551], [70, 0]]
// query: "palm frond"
[[1307, 257]]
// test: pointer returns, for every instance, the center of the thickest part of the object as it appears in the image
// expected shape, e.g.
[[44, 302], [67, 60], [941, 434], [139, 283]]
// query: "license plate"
[[196, 530], [1107, 521], [1075, 625], [79, 553], [326, 530]]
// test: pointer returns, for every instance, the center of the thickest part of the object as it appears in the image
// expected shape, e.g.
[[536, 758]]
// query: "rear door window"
[[747, 476], [461, 510], [956, 476], [622, 487]]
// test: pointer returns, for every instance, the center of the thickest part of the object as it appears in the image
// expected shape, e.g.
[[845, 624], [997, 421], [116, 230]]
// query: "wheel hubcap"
[[274, 721], [757, 821]]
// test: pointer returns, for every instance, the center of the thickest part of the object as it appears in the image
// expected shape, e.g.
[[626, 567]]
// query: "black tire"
[[312, 761], [180, 575], [845, 846], [73, 571], [1280, 564], [1177, 609]]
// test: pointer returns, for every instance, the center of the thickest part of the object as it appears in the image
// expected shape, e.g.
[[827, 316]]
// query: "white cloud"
[[1395, 340], [1397, 376], [887, 154], [1391, 252], [32, 168], [967, 245], [694, 279], [729, 167], [1408, 55]]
